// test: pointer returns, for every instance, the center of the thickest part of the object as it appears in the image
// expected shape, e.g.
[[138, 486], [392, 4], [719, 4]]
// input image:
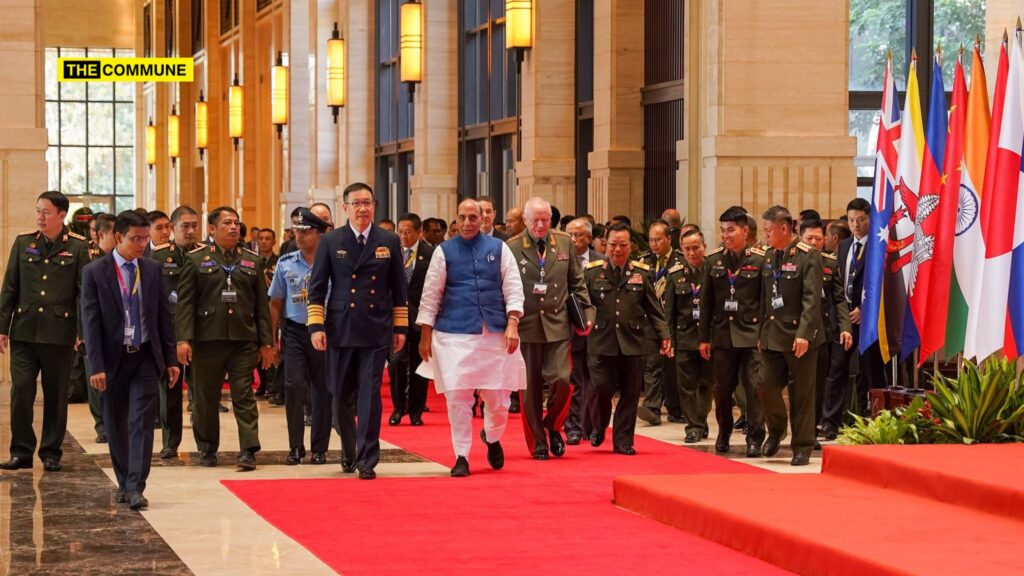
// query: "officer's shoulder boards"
[[288, 256], [756, 250], [161, 247], [828, 256], [198, 248], [560, 233], [716, 251], [76, 235], [645, 255], [640, 265], [29, 233], [676, 268], [597, 263], [250, 251], [804, 247]]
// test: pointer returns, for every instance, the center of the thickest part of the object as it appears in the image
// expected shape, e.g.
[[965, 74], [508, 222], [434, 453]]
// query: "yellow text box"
[[125, 69]]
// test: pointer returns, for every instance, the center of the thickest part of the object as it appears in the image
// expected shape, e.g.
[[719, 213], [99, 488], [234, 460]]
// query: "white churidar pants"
[[460, 416]]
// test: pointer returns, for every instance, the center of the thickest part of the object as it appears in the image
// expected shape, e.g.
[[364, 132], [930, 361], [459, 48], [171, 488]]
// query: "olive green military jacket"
[[794, 274], [39, 299], [624, 306], [723, 272], [682, 305], [172, 263], [545, 318], [835, 310], [651, 259], [202, 314]]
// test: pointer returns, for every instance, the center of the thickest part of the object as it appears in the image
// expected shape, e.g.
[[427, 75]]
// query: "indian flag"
[[969, 243]]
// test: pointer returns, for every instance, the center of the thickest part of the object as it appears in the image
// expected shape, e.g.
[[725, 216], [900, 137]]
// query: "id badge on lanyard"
[[731, 304], [229, 295], [777, 302], [541, 287], [126, 299]]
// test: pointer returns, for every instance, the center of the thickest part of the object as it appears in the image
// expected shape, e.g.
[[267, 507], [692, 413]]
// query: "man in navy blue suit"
[[358, 304], [129, 329]]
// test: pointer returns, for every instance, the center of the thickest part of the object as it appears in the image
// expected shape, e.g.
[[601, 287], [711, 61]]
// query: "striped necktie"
[[409, 264]]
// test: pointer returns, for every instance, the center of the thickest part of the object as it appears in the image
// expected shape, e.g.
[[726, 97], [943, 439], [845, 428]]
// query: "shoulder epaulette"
[[29, 233], [829, 256], [756, 250], [76, 235], [198, 248], [804, 246], [161, 247], [596, 263], [716, 251], [645, 255], [561, 233], [288, 256], [250, 251], [640, 265], [676, 268]]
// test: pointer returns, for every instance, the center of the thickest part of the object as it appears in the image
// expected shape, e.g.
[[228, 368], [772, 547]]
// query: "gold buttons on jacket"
[[353, 290], [42, 292], [40, 308], [44, 276], [231, 311], [352, 305], [354, 276]]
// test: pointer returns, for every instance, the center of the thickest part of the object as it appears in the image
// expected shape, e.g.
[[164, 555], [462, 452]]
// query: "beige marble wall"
[[89, 23], [23, 138], [435, 158], [616, 184], [1000, 16], [772, 109], [358, 120], [548, 167]]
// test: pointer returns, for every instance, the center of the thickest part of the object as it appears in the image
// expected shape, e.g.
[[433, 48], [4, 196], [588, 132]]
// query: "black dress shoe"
[[495, 453], [771, 446], [753, 450], [416, 420], [246, 460], [348, 466], [318, 458], [221, 407], [122, 497], [692, 437], [556, 442], [101, 438], [396, 418], [649, 416], [572, 438], [817, 445], [461, 468], [676, 419], [52, 465], [801, 459], [136, 501], [740, 424], [426, 408], [168, 453], [294, 456], [540, 454], [16, 463], [626, 450], [208, 459], [514, 408], [367, 474], [275, 400], [831, 434], [596, 439], [722, 444], [706, 434]]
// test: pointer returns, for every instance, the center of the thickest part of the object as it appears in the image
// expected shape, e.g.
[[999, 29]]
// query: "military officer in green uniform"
[[625, 300], [730, 318], [550, 272], [682, 312], [223, 312], [172, 256], [835, 316], [790, 333], [78, 387], [39, 322], [660, 387]]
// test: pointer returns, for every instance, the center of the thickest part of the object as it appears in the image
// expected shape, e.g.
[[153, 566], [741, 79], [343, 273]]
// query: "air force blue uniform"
[[367, 304]]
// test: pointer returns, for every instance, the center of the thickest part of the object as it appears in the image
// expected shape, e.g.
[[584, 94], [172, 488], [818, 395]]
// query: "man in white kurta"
[[469, 313]]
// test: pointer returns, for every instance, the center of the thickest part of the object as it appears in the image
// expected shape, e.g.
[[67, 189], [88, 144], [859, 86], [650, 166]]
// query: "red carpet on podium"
[[874, 510], [553, 517]]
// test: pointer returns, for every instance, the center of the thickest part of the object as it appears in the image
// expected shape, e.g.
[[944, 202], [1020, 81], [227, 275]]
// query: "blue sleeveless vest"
[[472, 294]]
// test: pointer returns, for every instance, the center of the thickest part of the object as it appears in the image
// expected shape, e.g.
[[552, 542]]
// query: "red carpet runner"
[[552, 517]]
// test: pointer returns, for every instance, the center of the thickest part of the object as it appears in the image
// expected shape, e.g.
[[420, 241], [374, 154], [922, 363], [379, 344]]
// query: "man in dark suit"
[[487, 219], [580, 423], [366, 312], [850, 258], [128, 324], [408, 389]]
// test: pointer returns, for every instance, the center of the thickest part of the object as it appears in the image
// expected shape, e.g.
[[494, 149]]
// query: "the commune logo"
[[125, 70]]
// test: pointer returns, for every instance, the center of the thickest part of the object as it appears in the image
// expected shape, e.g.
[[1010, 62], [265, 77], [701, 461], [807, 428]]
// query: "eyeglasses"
[[360, 203]]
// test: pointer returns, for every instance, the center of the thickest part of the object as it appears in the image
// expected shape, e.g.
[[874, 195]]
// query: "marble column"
[[548, 167], [23, 139], [616, 184], [435, 159]]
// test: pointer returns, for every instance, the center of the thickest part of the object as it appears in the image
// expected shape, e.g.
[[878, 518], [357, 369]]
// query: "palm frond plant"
[[978, 406]]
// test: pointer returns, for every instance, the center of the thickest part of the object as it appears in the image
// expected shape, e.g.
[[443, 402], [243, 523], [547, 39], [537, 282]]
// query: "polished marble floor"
[[69, 523]]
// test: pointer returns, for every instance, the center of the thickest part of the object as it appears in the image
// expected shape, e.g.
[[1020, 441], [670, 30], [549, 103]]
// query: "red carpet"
[[859, 517], [533, 517]]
